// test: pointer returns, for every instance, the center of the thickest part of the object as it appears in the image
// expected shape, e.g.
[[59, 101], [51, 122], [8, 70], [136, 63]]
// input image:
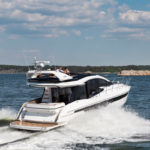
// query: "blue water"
[[135, 115], [14, 91]]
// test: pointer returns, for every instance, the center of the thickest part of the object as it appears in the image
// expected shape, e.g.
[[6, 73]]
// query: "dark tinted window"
[[42, 78], [78, 92], [61, 95], [68, 95], [93, 86], [103, 82]]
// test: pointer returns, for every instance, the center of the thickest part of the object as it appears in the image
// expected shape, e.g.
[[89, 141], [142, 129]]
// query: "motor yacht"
[[65, 97]]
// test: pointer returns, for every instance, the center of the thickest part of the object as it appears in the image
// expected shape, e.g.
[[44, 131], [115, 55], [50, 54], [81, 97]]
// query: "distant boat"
[[65, 97]]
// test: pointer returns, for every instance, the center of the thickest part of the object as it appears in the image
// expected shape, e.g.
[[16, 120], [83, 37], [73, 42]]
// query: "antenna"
[[40, 63], [35, 64]]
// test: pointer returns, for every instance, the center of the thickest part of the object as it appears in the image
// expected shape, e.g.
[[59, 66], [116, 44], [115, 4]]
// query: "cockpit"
[[70, 94]]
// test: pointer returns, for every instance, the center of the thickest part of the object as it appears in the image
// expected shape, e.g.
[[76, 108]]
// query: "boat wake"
[[6, 113], [112, 125], [8, 135], [6, 116], [106, 125]]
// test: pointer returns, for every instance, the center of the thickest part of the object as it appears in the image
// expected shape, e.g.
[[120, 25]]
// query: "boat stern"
[[34, 126], [38, 117]]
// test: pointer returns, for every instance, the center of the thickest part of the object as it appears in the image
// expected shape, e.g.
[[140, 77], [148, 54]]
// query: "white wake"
[[6, 113], [104, 125]]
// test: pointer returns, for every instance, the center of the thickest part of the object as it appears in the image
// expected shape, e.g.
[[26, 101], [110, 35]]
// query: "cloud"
[[30, 51], [55, 33], [145, 35], [40, 17], [13, 37], [130, 24], [2, 28], [124, 30], [17, 14], [55, 18], [88, 38], [127, 33], [77, 32], [135, 17]]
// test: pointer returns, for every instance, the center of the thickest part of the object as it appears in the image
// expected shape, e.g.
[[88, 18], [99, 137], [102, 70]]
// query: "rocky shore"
[[134, 73]]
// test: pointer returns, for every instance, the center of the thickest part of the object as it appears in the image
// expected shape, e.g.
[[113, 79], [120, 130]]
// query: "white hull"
[[61, 114]]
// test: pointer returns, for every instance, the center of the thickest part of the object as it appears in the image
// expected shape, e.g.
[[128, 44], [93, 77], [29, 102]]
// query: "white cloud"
[[5, 5], [30, 51], [124, 29], [77, 32], [55, 33], [54, 18], [123, 8], [13, 36], [135, 16], [88, 38], [140, 36], [42, 16], [132, 24], [2, 28], [127, 33], [18, 14]]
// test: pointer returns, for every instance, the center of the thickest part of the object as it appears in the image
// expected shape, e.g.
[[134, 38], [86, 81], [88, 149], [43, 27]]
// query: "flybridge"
[[59, 79], [47, 76]]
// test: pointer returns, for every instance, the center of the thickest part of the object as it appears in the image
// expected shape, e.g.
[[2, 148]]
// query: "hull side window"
[[61, 95], [78, 92], [68, 95]]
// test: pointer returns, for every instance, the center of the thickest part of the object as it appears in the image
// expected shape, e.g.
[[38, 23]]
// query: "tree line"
[[77, 69]]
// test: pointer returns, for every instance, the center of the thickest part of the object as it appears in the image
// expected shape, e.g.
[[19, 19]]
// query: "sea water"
[[104, 128]]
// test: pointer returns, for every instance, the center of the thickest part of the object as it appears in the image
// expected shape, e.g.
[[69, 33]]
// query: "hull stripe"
[[103, 103]]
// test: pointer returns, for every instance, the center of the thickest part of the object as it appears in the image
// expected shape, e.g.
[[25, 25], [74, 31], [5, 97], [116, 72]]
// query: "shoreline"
[[119, 73]]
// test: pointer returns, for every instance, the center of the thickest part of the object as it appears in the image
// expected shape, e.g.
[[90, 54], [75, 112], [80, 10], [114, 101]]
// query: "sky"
[[75, 32]]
